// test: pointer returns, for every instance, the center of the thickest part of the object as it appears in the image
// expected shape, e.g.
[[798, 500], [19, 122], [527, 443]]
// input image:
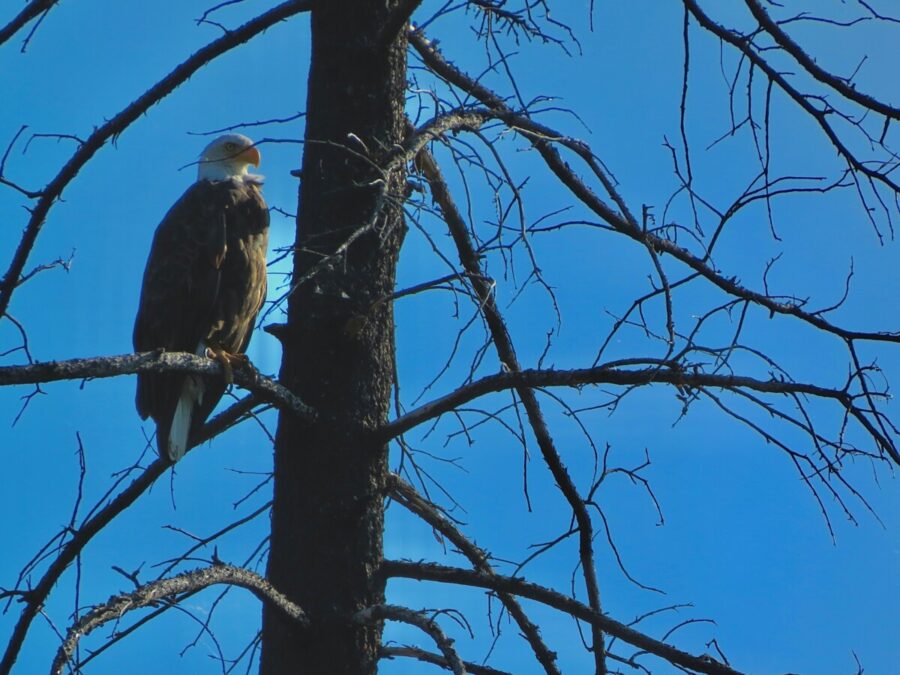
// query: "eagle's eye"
[[230, 147]]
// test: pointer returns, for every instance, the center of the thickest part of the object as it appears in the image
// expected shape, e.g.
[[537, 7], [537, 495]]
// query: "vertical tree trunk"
[[327, 518]]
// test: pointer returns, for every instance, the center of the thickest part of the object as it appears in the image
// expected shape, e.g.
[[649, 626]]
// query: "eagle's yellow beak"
[[251, 156]]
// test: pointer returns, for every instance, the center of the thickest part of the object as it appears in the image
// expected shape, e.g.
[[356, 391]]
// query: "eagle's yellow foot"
[[228, 361]]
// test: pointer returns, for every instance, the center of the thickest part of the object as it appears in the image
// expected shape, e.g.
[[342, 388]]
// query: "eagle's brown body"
[[204, 284]]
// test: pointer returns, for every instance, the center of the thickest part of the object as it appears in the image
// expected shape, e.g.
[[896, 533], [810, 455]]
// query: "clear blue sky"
[[743, 540]]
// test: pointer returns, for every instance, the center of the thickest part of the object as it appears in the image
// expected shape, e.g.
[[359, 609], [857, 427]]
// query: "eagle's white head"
[[229, 156]]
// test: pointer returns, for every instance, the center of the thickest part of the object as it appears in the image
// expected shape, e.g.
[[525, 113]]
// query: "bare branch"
[[791, 47], [743, 44], [244, 125], [161, 591], [29, 12], [406, 615], [152, 362], [525, 589], [609, 374], [407, 496], [625, 224], [437, 660], [506, 352], [35, 597], [30, 194]]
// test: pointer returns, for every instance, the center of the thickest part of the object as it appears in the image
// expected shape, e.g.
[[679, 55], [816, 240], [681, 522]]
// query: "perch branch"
[[152, 362]]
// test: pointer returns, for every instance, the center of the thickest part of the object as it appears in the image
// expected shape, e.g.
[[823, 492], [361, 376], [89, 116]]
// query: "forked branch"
[[35, 596], [436, 659], [544, 142], [516, 586], [629, 377], [788, 44], [471, 262], [28, 13], [420, 620], [407, 496]]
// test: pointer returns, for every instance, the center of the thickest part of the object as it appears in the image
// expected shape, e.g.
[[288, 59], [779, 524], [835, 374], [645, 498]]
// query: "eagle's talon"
[[226, 360], [242, 360]]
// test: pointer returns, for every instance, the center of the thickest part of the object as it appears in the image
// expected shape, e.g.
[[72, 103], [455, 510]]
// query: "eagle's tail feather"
[[191, 397]]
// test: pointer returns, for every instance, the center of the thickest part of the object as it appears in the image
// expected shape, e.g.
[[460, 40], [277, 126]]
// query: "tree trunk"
[[328, 513]]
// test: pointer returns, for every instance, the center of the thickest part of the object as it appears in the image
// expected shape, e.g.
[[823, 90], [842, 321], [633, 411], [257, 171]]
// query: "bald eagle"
[[204, 284]]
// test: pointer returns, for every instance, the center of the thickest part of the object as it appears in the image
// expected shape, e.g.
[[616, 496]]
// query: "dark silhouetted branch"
[[420, 620], [743, 44], [840, 85], [471, 262], [436, 659], [30, 11], [163, 590], [407, 496], [152, 362], [630, 377], [35, 597], [543, 143], [525, 589]]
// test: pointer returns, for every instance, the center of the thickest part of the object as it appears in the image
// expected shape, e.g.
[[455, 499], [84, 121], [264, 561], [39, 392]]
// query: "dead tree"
[[403, 139]]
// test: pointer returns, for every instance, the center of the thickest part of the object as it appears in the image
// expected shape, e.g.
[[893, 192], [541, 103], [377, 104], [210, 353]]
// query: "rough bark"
[[330, 474]]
